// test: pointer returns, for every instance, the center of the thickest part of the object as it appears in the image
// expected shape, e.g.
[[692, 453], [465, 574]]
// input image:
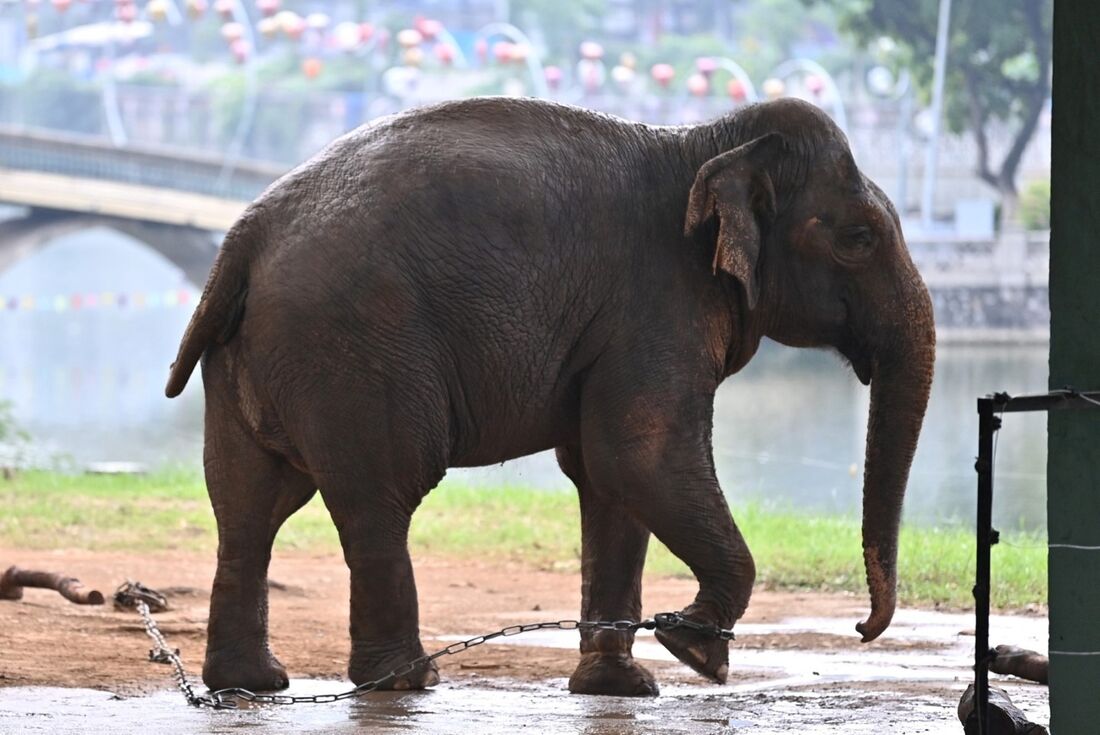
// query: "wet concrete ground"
[[851, 691]]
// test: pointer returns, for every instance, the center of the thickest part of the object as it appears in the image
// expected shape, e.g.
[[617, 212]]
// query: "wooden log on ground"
[[1020, 662], [1005, 718], [15, 579]]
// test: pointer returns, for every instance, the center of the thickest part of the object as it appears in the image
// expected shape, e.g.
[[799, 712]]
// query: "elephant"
[[483, 279]]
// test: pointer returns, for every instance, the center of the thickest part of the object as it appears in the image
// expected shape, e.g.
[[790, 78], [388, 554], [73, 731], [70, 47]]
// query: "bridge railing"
[[93, 157]]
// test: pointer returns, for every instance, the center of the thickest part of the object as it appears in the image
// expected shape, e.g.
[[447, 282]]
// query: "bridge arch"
[[190, 249]]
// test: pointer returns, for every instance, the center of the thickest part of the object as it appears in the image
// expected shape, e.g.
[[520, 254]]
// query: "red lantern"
[[553, 76], [267, 7], [706, 65], [815, 84], [429, 27], [126, 13], [502, 51], [240, 50], [366, 30], [224, 8], [662, 74], [736, 90], [481, 49], [444, 53], [311, 67], [61, 5]]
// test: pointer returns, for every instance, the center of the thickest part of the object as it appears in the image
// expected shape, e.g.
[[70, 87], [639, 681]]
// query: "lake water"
[[87, 382]]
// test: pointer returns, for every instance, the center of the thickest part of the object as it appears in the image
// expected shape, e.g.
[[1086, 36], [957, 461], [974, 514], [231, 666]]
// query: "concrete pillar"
[[1073, 469]]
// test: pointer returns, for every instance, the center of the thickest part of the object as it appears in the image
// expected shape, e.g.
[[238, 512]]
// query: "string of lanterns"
[[428, 38], [170, 298]]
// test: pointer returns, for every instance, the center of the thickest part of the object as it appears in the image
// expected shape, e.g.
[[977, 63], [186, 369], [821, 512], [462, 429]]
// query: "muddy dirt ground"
[[809, 676]]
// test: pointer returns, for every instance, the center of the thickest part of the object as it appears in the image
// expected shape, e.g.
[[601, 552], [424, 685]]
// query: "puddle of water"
[[777, 691], [504, 707]]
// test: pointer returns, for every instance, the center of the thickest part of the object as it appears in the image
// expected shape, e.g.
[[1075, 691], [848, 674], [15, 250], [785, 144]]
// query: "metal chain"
[[228, 698]]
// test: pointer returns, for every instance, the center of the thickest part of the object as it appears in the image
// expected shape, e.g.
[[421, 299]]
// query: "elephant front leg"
[[613, 554], [654, 451]]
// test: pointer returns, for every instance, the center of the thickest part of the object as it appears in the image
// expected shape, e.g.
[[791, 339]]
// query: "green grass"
[[169, 510]]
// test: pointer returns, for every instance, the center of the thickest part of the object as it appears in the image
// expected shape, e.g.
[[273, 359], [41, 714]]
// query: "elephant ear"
[[735, 186]]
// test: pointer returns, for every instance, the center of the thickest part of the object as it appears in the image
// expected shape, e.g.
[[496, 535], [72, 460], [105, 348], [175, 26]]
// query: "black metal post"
[[987, 425]]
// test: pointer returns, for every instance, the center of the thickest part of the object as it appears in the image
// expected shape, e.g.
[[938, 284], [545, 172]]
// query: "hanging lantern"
[[502, 51], [662, 74], [196, 8], [366, 31], [736, 90], [481, 50], [774, 88], [553, 76], [61, 5], [224, 8], [413, 56], [815, 84], [346, 35], [698, 85], [317, 21], [267, 7], [429, 28], [241, 50], [126, 13], [519, 53], [444, 53], [157, 10], [232, 32], [409, 37], [622, 75], [268, 27], [706, 66], [591, 50], [312, 68], [591, 74], [290, 23]]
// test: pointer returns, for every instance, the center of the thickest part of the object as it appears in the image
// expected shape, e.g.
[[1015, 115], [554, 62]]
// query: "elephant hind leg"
[[613, 549], [252, 492], [377, 456]]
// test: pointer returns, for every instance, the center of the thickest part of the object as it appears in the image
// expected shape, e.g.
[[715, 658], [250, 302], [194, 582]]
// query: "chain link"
[[229, 698]]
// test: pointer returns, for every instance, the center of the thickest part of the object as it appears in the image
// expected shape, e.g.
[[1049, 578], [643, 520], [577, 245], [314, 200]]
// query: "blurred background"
[[133, 133]]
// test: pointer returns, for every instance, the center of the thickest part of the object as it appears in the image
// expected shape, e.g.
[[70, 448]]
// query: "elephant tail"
[[221, 306]]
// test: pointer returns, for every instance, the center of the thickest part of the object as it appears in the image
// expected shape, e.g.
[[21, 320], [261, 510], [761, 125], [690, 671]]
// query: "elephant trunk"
[[901, 380]]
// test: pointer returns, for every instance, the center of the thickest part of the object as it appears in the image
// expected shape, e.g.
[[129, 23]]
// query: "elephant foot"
[[708, 656], [257, 671], [371, 665], [613, 674]]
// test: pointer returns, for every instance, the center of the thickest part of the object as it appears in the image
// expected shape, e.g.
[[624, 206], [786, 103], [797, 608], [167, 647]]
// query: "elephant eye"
[[854, 243], [859, 236]]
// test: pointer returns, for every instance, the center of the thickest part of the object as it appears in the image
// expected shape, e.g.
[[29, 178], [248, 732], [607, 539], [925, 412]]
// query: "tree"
[[998, 66]]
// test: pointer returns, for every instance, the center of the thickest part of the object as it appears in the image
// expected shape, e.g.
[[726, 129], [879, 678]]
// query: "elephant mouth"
[[859, 359]]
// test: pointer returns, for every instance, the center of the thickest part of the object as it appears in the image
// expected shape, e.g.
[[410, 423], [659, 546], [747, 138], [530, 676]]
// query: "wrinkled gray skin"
[[480, 280]]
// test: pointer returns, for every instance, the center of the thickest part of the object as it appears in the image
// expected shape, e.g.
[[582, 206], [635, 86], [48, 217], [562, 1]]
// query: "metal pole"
[[986, 537], [930, 162]]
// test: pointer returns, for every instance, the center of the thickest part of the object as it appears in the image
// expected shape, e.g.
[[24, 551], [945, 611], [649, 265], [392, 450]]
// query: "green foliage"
[[52, 98], [1034, 205], [998, 65], [13, 439], [169, 510]]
